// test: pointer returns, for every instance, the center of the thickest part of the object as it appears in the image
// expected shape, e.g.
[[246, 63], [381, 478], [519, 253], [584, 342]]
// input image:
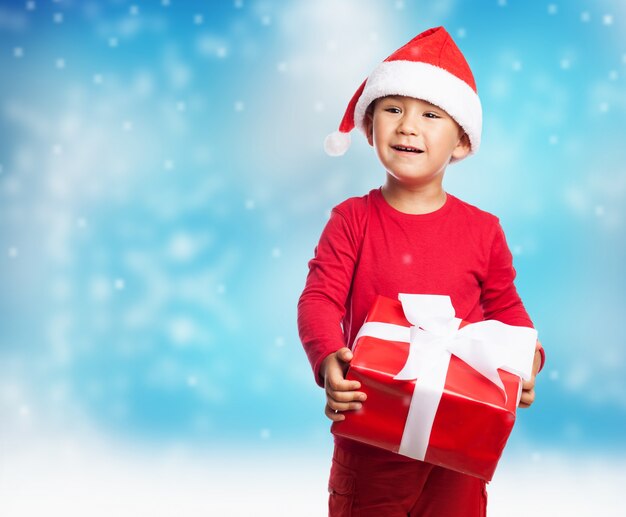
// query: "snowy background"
[[163, 185]]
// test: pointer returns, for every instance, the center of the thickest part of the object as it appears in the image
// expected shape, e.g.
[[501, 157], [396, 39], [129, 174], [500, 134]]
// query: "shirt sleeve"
[[322, 304], [499, 297]]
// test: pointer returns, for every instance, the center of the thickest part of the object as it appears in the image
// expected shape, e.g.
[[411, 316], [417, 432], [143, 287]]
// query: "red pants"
[[383, 486]]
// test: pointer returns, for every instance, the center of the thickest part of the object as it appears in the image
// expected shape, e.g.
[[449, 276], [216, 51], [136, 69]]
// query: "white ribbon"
[[434, 335]]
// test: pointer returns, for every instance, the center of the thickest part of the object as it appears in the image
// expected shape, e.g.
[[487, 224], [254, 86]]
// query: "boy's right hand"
[[341, 395]]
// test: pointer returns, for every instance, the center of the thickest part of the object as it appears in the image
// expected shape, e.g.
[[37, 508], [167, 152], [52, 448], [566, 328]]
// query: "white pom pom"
[[337, 143]]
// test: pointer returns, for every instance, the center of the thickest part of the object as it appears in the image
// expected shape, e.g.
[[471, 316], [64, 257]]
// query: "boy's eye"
[[430, 114], [392, 109]]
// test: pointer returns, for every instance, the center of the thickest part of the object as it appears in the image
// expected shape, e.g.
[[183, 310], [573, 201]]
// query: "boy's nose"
[[408, 126]]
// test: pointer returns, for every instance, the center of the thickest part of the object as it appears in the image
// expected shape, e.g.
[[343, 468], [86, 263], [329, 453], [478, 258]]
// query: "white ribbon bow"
[[434, 335]]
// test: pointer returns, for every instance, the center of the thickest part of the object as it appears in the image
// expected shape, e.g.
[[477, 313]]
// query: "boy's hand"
[[528, 387], [340, 393]]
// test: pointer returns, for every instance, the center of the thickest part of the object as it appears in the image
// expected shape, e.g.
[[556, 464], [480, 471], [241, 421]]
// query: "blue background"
[[163, 185]]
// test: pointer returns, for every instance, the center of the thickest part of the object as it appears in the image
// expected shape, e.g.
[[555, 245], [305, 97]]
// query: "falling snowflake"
[[182, 330], [182, 247]]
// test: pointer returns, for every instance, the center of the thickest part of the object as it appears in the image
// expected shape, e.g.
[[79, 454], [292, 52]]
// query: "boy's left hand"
[[528, 387]]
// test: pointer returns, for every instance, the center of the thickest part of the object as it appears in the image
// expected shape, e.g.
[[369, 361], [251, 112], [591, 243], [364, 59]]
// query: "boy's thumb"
[[345, 354]]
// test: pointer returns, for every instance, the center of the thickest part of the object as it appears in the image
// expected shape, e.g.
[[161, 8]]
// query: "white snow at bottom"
[[97, 478]]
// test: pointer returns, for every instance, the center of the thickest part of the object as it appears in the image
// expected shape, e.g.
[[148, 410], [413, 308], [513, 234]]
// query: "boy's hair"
[[369, 112], [429, 67]]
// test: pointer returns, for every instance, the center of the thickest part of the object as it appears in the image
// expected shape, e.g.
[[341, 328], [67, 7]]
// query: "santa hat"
[[430, 67]]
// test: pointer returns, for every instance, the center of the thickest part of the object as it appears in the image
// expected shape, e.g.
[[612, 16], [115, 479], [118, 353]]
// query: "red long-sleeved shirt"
[[369, 248]]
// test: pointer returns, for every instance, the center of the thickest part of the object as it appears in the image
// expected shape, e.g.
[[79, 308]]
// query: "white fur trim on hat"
[[426, 82]]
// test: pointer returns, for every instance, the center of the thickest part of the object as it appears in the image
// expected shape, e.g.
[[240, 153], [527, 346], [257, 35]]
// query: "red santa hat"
[[430, 67]]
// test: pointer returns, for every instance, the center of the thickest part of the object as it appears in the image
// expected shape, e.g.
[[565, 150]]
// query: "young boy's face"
[[414, 139]]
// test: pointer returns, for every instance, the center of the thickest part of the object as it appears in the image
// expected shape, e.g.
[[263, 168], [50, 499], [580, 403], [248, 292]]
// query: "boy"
[[420, 110]]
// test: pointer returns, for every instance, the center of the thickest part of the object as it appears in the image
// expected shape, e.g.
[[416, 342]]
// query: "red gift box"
[[472, 418]]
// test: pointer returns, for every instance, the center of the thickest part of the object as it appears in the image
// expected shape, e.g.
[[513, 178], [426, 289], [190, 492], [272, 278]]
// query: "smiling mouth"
[[406, 149]]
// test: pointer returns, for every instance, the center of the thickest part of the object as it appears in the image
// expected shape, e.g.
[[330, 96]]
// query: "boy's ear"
[[369, 127], [463, 147]]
